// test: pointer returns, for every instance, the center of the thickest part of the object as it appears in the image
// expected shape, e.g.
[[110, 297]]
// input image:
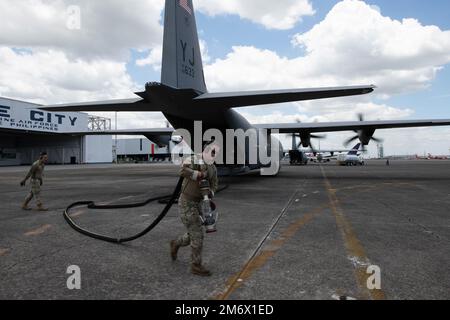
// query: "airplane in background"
[[431, 157], [324, 155], [183, 98], [352, 158]]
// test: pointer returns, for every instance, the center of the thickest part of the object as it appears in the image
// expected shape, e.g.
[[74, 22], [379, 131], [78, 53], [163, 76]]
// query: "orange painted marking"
[[354, 247], [38, 231], [260, 260]]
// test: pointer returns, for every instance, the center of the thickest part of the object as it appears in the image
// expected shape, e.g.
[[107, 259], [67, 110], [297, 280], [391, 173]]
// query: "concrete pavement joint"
[[260, 256], [421, 226]]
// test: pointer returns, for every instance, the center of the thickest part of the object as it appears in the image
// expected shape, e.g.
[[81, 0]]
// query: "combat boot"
[[199, 270], [174, 249], [42, 208], [25, 205]]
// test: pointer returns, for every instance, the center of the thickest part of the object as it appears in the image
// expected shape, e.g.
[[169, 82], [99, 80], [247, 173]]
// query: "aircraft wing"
[[125, 105], [351, 125], [253, 98], [161, 136]]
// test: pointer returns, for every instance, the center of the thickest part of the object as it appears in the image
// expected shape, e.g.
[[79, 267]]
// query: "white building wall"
[[138, 147], [98, 149]]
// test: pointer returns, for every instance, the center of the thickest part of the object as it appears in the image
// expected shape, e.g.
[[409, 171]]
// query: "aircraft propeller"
[[365, 135], [305, 139]]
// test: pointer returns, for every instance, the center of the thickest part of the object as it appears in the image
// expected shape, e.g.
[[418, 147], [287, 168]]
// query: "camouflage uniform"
[[36, 175], [36, 191], [189, 206], [190, 216]]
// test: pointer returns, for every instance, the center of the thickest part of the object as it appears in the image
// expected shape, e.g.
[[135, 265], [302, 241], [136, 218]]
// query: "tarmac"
[[313, 232]]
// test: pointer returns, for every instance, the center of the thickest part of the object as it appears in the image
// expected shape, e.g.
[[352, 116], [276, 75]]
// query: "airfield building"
[[25, 131], [141, 150]]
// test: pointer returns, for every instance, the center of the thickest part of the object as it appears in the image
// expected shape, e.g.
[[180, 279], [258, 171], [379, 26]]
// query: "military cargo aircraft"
[[183, 98]]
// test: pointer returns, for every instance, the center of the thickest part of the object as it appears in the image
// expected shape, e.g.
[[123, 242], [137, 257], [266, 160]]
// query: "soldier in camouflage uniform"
[[36, 175], [193, 171]]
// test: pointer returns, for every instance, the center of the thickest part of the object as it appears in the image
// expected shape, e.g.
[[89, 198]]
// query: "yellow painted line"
[[38, 231], [3, 251], [235, 281], [354, 247]]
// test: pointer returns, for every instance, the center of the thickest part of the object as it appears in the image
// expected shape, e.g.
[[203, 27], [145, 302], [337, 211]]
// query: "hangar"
[[25, 131], [142, 150]]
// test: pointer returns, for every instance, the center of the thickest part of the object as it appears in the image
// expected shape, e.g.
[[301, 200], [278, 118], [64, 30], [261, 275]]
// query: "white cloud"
[[282, 15], [204, 51], [419, 140], [153, 59], [109, 29], [346, 109], [248, 68], [355, 41], [354, 44], [328, 111], [52, 77], [127, 120], [43, 60]]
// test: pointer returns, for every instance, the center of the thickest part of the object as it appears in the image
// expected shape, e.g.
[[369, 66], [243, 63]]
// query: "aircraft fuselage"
[[223, 120]]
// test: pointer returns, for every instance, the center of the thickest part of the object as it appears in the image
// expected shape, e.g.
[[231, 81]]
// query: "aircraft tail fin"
[[182, 66], [354, 151]]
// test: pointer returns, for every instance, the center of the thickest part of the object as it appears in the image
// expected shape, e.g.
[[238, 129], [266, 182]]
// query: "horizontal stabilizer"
[[253, 98]]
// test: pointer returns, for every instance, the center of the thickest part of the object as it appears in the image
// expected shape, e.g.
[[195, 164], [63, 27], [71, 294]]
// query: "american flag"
[[185, 5]]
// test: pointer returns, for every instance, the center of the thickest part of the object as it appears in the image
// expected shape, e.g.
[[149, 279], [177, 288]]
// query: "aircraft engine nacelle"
[[305, 138], [364, 135]]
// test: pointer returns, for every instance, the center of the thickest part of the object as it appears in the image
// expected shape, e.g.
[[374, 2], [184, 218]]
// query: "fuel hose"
[[168, 200]]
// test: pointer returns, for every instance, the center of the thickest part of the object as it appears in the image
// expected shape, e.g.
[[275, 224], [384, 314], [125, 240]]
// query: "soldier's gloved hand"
[[22, 183], [202, 175]]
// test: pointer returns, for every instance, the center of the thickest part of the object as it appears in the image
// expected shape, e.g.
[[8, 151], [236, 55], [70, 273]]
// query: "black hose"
[[92, 205], [169, 200]]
